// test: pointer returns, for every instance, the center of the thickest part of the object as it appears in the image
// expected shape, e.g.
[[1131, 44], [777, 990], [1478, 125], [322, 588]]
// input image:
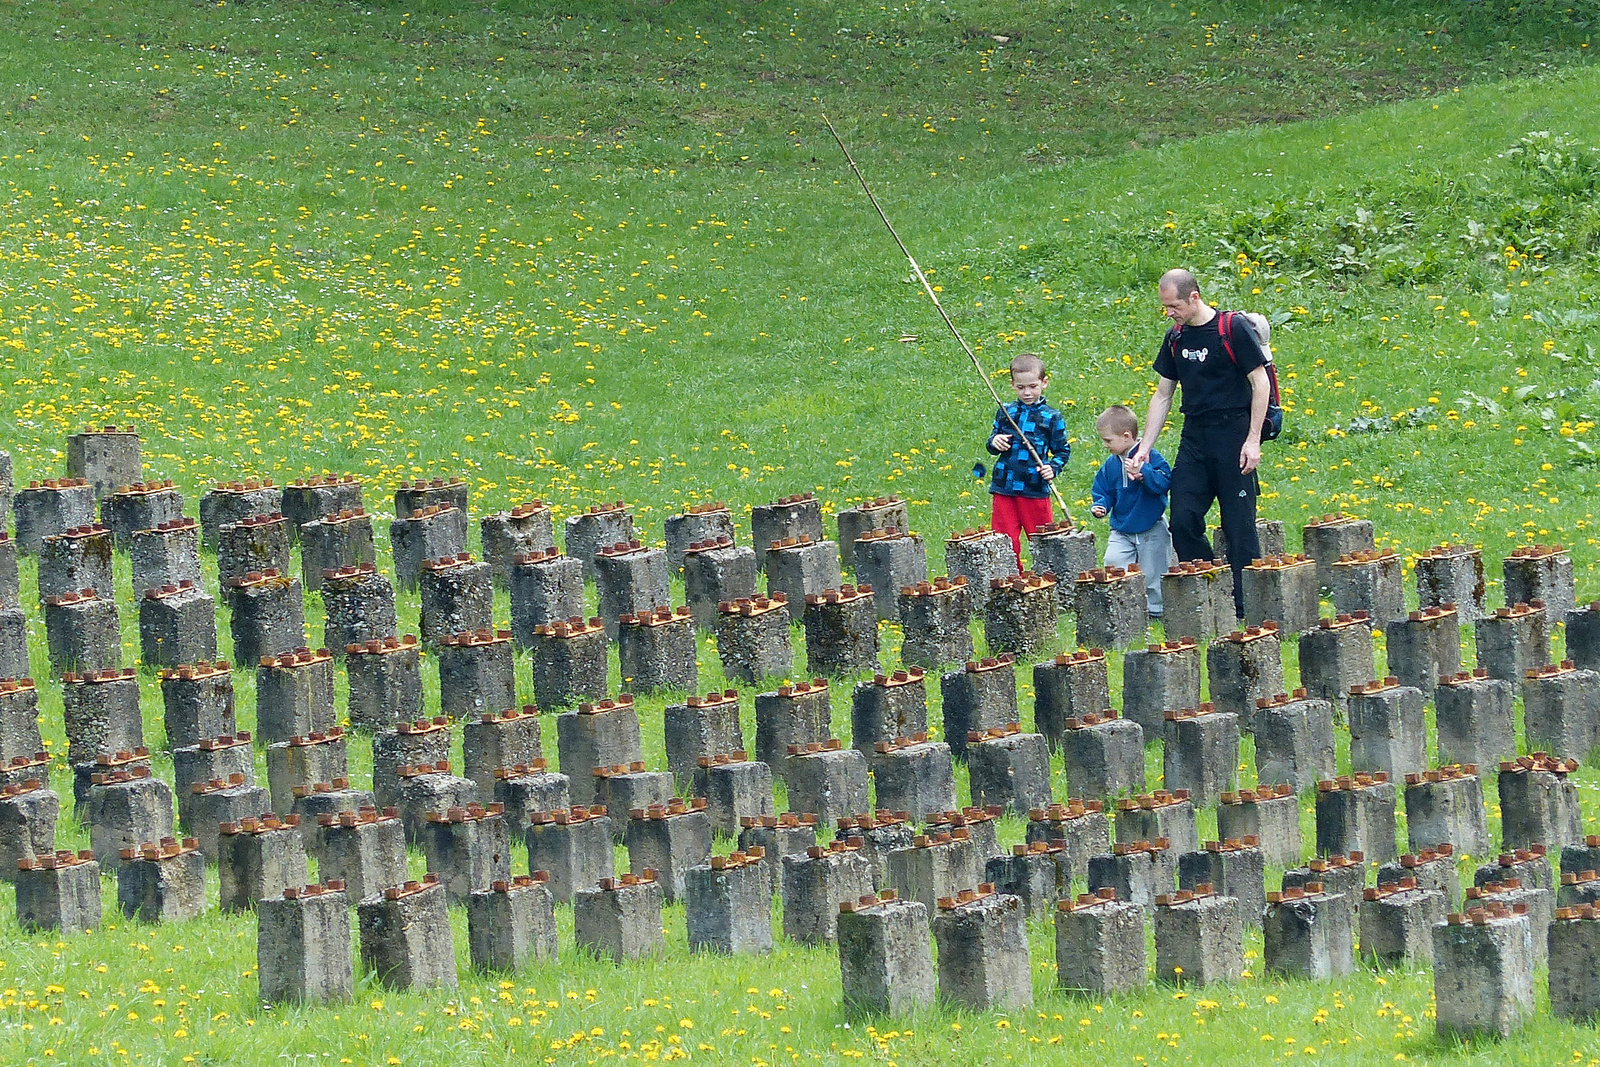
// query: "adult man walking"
[[1225, 394]]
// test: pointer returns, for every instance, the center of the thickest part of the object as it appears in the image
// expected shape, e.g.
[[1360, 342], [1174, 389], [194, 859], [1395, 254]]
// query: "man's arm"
[[1155, 417], [1260, 393]]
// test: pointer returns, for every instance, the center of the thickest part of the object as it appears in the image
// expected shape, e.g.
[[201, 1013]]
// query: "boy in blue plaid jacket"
[[1019, 488]]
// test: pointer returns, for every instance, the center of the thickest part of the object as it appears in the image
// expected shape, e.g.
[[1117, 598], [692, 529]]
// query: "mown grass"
[[603, 251]]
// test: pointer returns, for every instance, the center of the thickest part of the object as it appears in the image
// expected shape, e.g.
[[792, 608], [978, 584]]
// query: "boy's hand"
[[1047, 472], [1098, 512], [1000, 442], [1134, 471]]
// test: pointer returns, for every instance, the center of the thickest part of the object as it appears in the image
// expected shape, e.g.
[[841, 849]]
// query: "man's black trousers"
[[1207, 469]]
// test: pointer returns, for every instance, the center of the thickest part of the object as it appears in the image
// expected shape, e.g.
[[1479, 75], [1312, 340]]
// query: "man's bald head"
[[1181, 283]]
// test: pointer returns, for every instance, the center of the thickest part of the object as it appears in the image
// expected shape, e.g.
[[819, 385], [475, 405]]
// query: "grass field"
[[606, 251]]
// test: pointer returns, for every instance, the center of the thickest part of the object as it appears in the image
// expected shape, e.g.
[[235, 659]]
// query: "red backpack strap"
[[1225, 328]]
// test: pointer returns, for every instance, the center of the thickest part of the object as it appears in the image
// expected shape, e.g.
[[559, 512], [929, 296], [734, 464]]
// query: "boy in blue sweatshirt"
[[1136, 499]]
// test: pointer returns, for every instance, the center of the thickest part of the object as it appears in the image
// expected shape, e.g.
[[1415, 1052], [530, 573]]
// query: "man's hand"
[[1250, 455], [1134, 471], [1000, 442], [1048, 473], [1098, 512]]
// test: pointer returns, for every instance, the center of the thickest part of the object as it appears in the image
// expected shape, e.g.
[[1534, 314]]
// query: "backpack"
[[1272, 425]]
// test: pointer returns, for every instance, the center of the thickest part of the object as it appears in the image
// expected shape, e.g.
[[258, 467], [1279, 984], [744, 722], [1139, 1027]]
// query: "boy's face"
[[1118, 443], [1029, 386]]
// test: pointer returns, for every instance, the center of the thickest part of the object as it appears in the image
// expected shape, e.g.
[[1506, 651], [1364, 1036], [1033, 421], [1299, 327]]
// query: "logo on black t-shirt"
[[1196, 355]]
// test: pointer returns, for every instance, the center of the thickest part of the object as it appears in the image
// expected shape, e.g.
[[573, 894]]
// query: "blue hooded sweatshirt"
[[1132, 506]]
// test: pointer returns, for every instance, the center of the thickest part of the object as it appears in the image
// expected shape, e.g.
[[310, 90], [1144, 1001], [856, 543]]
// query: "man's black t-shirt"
[[1214, 386]]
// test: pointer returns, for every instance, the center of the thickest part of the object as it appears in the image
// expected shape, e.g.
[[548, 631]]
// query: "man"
[[1224, 404]]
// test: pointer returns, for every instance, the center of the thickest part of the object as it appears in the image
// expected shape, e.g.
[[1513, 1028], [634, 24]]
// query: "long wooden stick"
[[962, 341]]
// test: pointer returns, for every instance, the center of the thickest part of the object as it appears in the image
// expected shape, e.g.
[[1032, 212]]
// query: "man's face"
[[1029, 386], [1181, 310]]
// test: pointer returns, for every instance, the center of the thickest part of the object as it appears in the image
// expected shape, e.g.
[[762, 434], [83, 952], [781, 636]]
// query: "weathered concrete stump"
[[1482, 972], [1199, 937], [1245, 666], [979, 556], [506, 535], [1337, 655], [59, 892], [477, 673], [1103, 754], [1539, 802], [1069, 687], [83, 630], [469, 848], [841, 628], [268, 615], [1163, 815], [753, 638], [307, 500], [826, 779], [880, 833], [78, 557], [1543, 573], [716, 572], [366, 850], [1388, 730], [1269, 535], [1583, 635], [229, 502], [701, 728], [980, 695], [140, 506], [1308, 934], [359, 606], [799, 567], [1201, 754], [294, 694], [1064, 550], [457, 597], [385, 678], [983, 951], [585, 533], [49, 507], [879, 513], [632, 578], [1008, 768], [415, 496], [1397, 921], [303, 946], [1282, 589], [1020, 614], [19, 719], [1424, 647], [889, 559], [1513, 641], [406, 941], [657, 651], [546, 587], [798, 515], [791, 715], [569, 662], [165, 554], [1111, 607], [28, 813], [433, 532], [525, 788], [938, 864], [697, 524], [106, 458], [425, 789], [1525, 866], [162, 881], [1294, 740], [257, 859], [1081, 827], [1451, 574], [620, 918], [177, 625], [934, 617], [10, 579], [13, 642], [914, 775], [1100, 946], [1157, 680], [728, 905], [1474, 716], [334, 542], [1270, 814], [1197, 599], [815, 883], [101, 714], [1235, 867], [206, 806], [1328, 537], [211, 759], [1036, 874], [254, 543], [512, 923], [1139, 871], [1373, 582], [669, 839], [888, 707], [1574, 938], [1339, 875], [735, 788], [1355, 813], [885, 955], [1561, 709], [334, 798], [498, 739], [1429, 868], [299, 763], [601, 734], [777, 837]]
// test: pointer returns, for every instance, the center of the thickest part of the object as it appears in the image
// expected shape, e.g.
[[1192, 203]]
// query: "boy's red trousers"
[[1012, 515]]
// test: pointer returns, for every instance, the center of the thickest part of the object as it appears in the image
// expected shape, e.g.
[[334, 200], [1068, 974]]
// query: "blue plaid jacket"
[[1013, 472]]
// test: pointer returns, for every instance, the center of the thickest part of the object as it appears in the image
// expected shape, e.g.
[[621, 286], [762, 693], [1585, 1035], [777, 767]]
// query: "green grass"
[[606, 250]]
